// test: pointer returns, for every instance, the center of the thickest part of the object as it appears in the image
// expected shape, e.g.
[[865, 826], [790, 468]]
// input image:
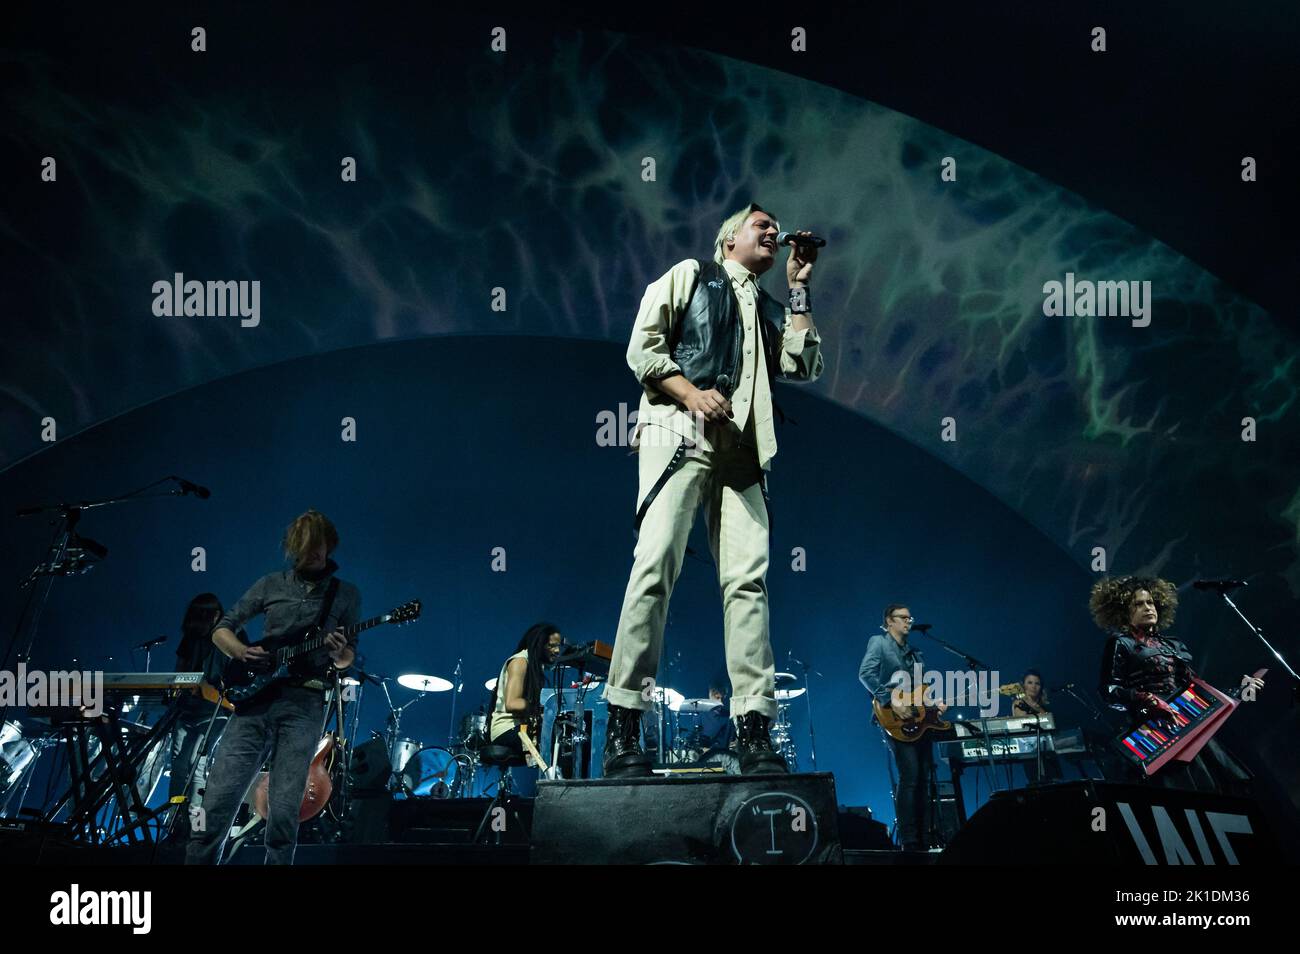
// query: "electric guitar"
[[320, 783], [548, 771], [300, 654], [919, 720]]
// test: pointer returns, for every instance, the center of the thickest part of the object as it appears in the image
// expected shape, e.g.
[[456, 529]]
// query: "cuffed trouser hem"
[[627, 698], [760, 704]]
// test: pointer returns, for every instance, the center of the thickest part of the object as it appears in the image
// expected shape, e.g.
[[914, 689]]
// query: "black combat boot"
[[754, 747], [623, 755]]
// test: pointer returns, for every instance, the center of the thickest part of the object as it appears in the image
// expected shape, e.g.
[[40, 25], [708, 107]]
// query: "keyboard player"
[[1029, 702], [1142, 666], [196, 653]]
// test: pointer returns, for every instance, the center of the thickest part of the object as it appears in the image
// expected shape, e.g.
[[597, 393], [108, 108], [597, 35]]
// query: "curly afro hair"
[[1112, 598]]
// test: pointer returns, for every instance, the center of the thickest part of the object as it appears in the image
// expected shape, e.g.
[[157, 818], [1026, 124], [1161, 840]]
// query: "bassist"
[[284, 720]]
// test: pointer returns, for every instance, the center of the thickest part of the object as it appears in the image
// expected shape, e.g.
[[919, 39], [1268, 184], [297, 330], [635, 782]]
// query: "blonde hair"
[[731, 225], [307, 532]]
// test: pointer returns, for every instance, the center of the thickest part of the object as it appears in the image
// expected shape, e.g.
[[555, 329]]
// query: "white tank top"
[[503, 721]]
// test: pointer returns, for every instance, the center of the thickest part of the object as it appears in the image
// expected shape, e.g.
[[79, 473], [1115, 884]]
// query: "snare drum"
[[402, 751], [473, 731]]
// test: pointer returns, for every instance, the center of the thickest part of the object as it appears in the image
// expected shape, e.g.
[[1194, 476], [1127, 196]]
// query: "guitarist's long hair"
[[535, 641]]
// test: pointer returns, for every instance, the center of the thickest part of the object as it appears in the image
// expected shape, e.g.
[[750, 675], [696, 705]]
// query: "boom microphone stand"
[[70, 554], [1223, 587]]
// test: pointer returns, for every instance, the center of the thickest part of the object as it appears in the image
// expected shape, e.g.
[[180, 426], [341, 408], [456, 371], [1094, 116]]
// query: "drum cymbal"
[[490, 684], [785, 679], [784, 695], [699, 705], [423, 683], [668, 697]]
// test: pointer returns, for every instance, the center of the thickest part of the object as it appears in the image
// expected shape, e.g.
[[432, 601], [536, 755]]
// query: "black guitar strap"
[[328, 603]]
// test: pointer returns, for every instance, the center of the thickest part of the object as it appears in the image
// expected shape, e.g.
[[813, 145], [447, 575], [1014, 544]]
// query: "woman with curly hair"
[[1143, 665]]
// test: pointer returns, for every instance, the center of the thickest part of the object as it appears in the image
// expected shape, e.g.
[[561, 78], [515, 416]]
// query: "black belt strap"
[[678, 456]]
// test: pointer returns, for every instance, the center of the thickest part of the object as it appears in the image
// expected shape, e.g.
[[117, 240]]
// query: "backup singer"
[[707, 346], [1031, 700], [1143, 665], [282, 721]]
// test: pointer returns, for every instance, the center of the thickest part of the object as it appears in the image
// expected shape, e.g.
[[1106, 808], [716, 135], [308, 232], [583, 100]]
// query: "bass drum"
[[723, 757], [435, 772]]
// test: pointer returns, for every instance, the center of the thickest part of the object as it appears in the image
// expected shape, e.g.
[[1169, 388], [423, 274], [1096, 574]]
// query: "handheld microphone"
[[808, 241], [1222, 586]]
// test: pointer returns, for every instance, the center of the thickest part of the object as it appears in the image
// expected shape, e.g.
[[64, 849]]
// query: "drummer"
[[517, 699], [716, 730]]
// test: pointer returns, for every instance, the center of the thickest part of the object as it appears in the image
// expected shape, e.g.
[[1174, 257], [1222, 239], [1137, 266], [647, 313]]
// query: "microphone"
[[808, 241], [1222, 586], [922, 627], [723, 385], [188, 487]]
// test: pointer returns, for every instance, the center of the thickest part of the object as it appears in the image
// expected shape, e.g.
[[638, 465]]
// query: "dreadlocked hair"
[[535, 640]]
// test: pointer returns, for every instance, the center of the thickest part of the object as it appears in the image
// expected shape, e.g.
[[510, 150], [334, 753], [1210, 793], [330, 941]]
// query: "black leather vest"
[[705, 342], [1130, 666]]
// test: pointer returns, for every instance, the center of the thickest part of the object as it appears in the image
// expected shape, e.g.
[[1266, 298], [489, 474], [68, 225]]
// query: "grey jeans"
[[288, 726]]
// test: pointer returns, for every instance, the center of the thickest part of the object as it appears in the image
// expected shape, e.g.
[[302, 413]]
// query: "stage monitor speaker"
[[1095, 822], [711, 819], [948, 819]]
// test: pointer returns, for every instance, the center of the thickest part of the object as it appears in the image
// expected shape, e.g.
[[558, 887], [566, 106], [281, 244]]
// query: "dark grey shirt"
[[884, 658], [292, 603]]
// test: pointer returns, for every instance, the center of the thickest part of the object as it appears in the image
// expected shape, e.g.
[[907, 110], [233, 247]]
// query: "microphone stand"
[[451, 725], [1260, 633], [41, 580], [972, 663], [812, 735]]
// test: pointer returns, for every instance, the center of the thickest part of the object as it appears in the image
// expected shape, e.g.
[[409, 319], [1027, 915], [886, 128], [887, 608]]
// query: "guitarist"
[[284, 720], [1142, 666], [889, 655]]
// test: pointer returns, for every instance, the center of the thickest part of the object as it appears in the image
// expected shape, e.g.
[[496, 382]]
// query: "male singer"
[[705, 438]]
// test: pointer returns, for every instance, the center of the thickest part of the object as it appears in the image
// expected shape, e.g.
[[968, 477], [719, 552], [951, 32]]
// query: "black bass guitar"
[[300, 655]]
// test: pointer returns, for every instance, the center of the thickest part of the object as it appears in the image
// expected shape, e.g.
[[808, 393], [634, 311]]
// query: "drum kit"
[[679, 727]]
